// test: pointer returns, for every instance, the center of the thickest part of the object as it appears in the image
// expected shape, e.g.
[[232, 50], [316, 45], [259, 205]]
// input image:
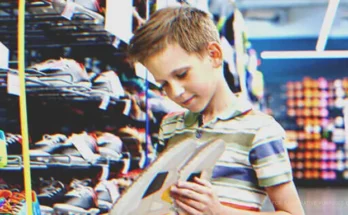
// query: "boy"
[[181, 48]]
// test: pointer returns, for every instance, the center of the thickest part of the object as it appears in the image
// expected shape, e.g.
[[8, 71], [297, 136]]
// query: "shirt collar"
[[239, 105]]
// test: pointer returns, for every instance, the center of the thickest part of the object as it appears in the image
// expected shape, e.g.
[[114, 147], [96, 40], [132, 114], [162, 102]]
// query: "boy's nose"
[[177, 90]]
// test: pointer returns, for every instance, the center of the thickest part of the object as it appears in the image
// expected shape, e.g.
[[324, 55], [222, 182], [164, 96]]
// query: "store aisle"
[[322, 201]]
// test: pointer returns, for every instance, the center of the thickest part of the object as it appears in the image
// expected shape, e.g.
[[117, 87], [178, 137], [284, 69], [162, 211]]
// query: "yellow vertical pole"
[[23, 105]]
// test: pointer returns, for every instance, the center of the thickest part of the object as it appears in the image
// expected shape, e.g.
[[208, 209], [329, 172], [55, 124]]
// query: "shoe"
[[203, 162], [50, 192], [110, 146], [17, 203], [108, 193], [109, 82], [61, 72], [76, 183], [5, 207], [46, 144], [79, 148], [81, 200], [14, 144], [144, 196]]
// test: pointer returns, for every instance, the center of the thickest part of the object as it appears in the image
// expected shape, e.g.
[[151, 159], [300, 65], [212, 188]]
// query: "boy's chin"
[[195, 109]]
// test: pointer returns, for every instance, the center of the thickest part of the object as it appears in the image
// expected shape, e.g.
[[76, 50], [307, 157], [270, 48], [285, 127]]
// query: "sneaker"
[[79, 148], [76, 183], [110, 146], [81, 200], [109, 82], [14, 144], [5, 206], [41, 147], [108, 193], [182, 161], [17, 202], [203, 162], [50, 192], [144, 196], [61, 72]]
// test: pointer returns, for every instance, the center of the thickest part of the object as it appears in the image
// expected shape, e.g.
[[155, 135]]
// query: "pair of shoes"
[[83, 199], [149, 193]]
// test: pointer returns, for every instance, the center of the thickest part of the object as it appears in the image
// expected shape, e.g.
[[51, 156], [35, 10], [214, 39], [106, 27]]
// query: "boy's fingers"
[[192, 203], [203, 182], [186, 208], [196, 187]]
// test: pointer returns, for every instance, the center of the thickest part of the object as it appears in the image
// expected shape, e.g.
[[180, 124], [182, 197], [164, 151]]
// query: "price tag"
[[13, 85], [4, 56], [127, 107], [105, 102], [69, 10]]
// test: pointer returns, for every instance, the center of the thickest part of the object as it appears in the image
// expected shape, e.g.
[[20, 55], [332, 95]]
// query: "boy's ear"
[[215, 54]]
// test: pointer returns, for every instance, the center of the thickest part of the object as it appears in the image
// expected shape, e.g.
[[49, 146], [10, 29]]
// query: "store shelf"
[[46, 27]]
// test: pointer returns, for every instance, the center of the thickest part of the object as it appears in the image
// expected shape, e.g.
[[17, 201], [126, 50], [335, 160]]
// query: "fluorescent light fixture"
[[327, 24], [303, 54]]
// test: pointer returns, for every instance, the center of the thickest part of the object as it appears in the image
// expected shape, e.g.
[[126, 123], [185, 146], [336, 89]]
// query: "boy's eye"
[[182, 75]]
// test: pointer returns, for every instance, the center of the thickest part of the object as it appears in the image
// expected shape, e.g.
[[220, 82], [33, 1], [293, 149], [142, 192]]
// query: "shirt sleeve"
[[269, 157]]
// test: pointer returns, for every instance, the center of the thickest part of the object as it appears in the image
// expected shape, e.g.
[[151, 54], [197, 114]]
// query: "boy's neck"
[[220, 103]]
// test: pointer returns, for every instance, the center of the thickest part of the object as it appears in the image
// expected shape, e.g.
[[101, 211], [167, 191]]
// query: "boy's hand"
[[196, 198]]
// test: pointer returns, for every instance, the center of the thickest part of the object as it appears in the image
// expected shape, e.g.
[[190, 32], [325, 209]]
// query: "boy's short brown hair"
[[189, 27]]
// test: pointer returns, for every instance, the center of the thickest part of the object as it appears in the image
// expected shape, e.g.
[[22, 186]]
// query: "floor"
[[321, 201]]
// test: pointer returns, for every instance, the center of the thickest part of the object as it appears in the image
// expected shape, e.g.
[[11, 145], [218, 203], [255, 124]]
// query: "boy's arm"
[[284, 198]]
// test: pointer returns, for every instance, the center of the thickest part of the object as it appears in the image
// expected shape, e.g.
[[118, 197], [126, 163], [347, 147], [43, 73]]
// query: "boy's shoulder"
[[257, 118]]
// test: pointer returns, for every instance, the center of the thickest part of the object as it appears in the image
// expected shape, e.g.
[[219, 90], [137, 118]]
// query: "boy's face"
[[188, 79]]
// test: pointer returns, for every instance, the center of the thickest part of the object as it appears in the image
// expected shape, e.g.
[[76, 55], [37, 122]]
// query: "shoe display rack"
[[319, 149], [86, 112]]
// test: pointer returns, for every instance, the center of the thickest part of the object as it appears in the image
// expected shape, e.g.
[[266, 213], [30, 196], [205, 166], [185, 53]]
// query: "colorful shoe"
[[5, 207]]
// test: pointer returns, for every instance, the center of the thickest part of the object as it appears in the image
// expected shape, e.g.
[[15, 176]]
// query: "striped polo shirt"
[[255, 156]]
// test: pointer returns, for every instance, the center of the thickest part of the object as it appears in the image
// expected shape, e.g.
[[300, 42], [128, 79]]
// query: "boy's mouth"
[[188, 101]]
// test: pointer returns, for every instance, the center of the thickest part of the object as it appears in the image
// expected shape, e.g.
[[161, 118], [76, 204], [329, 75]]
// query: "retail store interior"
[[87, 121]]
